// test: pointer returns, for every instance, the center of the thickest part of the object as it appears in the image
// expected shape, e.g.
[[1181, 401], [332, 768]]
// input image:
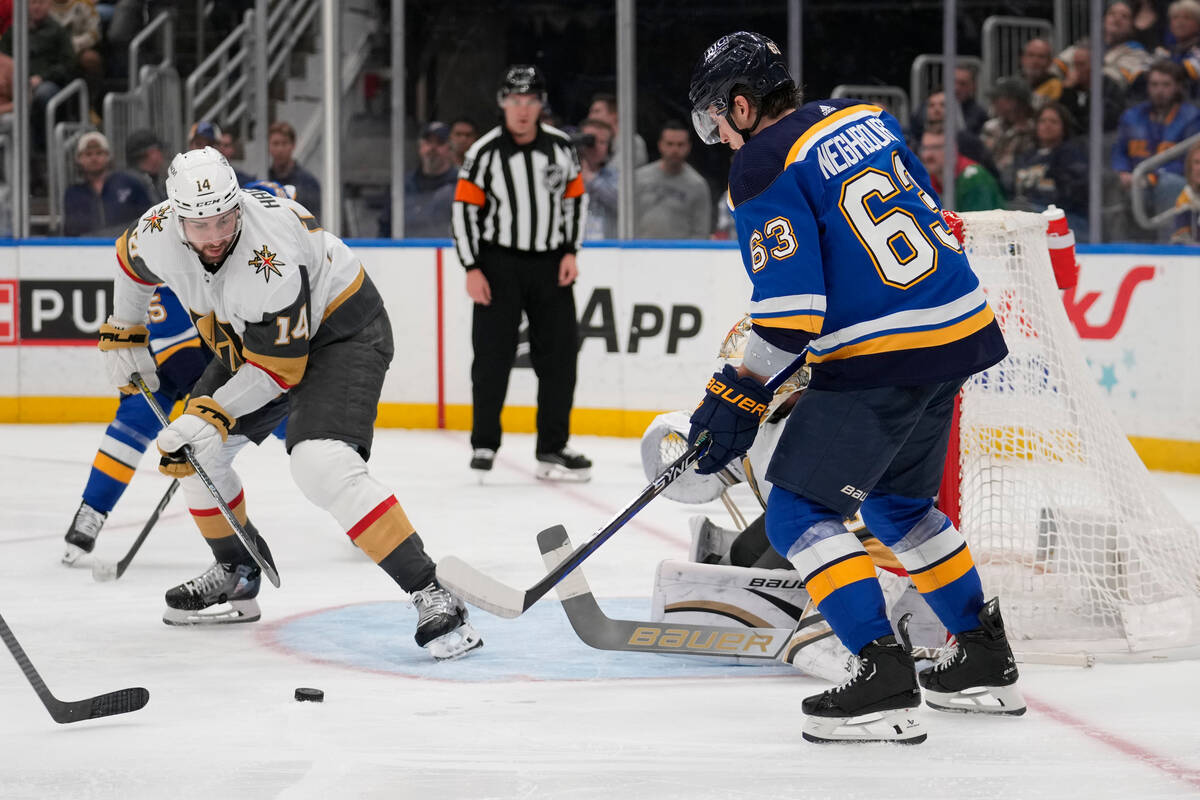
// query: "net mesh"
[[1064, 522]]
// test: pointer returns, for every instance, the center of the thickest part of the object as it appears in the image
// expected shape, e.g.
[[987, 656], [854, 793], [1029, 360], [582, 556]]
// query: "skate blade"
[[557, 472], [996, 700], [226, 614], [72, 553], [900, 727], [455, 644]]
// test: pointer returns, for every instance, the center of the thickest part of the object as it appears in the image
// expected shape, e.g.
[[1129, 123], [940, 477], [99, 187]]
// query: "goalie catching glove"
[[203, 425], [125, 349], [731, 411]]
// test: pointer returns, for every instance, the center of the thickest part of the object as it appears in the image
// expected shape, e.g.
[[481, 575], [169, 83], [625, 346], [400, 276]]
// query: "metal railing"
[[1137, 193], [1070, 23], [1003, 40], [219, 88], [892, 98], [163, 27], [287, 21], [60, 160], [926, 75]]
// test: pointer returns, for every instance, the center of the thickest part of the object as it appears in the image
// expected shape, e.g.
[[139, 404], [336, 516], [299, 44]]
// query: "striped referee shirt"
[[523, 197]]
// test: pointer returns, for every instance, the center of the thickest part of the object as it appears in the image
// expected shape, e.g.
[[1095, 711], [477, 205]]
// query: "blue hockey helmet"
[[736, 59]]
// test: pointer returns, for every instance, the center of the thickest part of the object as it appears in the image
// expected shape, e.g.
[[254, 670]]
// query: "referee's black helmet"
[[522, 79]]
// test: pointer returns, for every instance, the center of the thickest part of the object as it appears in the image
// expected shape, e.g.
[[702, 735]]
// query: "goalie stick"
[[484, 591], [238, 530], [104, 571], [602, 632], [121, 701]]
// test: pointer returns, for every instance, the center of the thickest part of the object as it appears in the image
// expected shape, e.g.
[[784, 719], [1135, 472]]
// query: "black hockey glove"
[[731, 411]]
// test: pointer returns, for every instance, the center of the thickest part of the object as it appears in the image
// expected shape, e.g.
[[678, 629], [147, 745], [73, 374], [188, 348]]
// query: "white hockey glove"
[[126, 351], [203, 425]]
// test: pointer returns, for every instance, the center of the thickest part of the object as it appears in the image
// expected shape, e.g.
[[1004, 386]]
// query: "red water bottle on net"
[[1061, 241]]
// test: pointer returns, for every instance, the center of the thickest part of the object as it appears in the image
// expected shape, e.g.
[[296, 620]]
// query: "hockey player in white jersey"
[[298, 330]]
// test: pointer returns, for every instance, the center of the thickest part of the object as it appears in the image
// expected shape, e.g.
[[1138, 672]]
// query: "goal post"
[[1087, 555]]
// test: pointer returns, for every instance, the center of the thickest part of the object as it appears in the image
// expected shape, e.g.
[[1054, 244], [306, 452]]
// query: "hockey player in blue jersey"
[[852, 264], [181, 359]]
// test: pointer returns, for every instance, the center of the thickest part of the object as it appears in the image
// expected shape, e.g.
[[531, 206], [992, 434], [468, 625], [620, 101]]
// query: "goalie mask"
[[733, 349]]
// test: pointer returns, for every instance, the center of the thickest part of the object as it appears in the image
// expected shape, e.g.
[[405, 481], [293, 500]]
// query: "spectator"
[[52, 63], [204, 134], [228, 146], [604, 108], [1056, 172], [463, 133], [1010, 131], [1151, 127], [673, 200], [428, 190], [1184, 16], [1078, 84], [1036, 58], [82, 22], [104, 203], [147, 162], [1149, 26], [600, 179], [1125, 59], [969, 144], [6, 15], [973, 114], [1187, 221], [974, 187], [281, 144], [6, 86]]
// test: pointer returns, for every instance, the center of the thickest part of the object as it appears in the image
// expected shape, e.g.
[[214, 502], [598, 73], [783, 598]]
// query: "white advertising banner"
[[651, 319]]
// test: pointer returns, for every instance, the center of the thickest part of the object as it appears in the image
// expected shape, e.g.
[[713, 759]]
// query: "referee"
[[518, 219]]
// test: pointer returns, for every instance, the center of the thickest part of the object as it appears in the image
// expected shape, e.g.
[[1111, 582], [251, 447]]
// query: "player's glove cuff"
[[115, 335], [731, 411], [204, 425]]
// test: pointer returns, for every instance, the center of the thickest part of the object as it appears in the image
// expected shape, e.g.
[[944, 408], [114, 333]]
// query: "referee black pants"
[[523, 281]]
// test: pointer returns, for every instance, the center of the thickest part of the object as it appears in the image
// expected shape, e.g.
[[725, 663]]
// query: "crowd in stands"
[[1024, 147]]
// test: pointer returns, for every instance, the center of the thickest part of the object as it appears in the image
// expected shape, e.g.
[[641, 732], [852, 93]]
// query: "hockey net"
[[1085, 552]]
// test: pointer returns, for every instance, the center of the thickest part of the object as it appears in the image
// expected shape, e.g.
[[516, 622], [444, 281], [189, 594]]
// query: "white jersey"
[[284, 285]]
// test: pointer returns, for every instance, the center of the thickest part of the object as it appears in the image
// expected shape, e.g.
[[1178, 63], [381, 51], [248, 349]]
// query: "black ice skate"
[[481, 460], [231, 586], [976, 674], [876, 704], [81, 536], [442, 626], [564, 465]]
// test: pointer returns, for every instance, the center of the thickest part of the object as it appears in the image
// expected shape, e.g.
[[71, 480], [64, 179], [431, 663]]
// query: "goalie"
[[734, 576]]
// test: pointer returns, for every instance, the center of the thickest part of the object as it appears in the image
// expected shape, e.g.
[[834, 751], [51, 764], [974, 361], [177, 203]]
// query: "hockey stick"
[[121, 701], [238, 530], [484, 591], [104, 571], [602, 632]]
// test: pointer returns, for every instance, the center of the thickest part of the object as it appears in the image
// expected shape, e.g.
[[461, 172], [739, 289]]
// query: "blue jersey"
[[170, 325], [842, 237]]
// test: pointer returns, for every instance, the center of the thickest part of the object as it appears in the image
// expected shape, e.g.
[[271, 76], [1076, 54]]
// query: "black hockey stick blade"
[[598, 630], [103, 571], [238, 530], [121, 701], [484, 591]]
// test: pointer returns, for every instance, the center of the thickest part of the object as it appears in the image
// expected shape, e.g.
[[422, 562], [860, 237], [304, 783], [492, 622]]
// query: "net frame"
[[1087, 555]]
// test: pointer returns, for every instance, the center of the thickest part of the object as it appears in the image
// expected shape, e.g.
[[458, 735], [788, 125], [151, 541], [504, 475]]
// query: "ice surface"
[[534, 714]]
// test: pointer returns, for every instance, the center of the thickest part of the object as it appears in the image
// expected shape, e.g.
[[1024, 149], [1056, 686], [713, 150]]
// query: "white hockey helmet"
[[200, 184]]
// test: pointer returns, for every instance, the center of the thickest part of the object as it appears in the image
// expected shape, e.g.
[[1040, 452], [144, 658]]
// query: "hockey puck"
[[309, 695]]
